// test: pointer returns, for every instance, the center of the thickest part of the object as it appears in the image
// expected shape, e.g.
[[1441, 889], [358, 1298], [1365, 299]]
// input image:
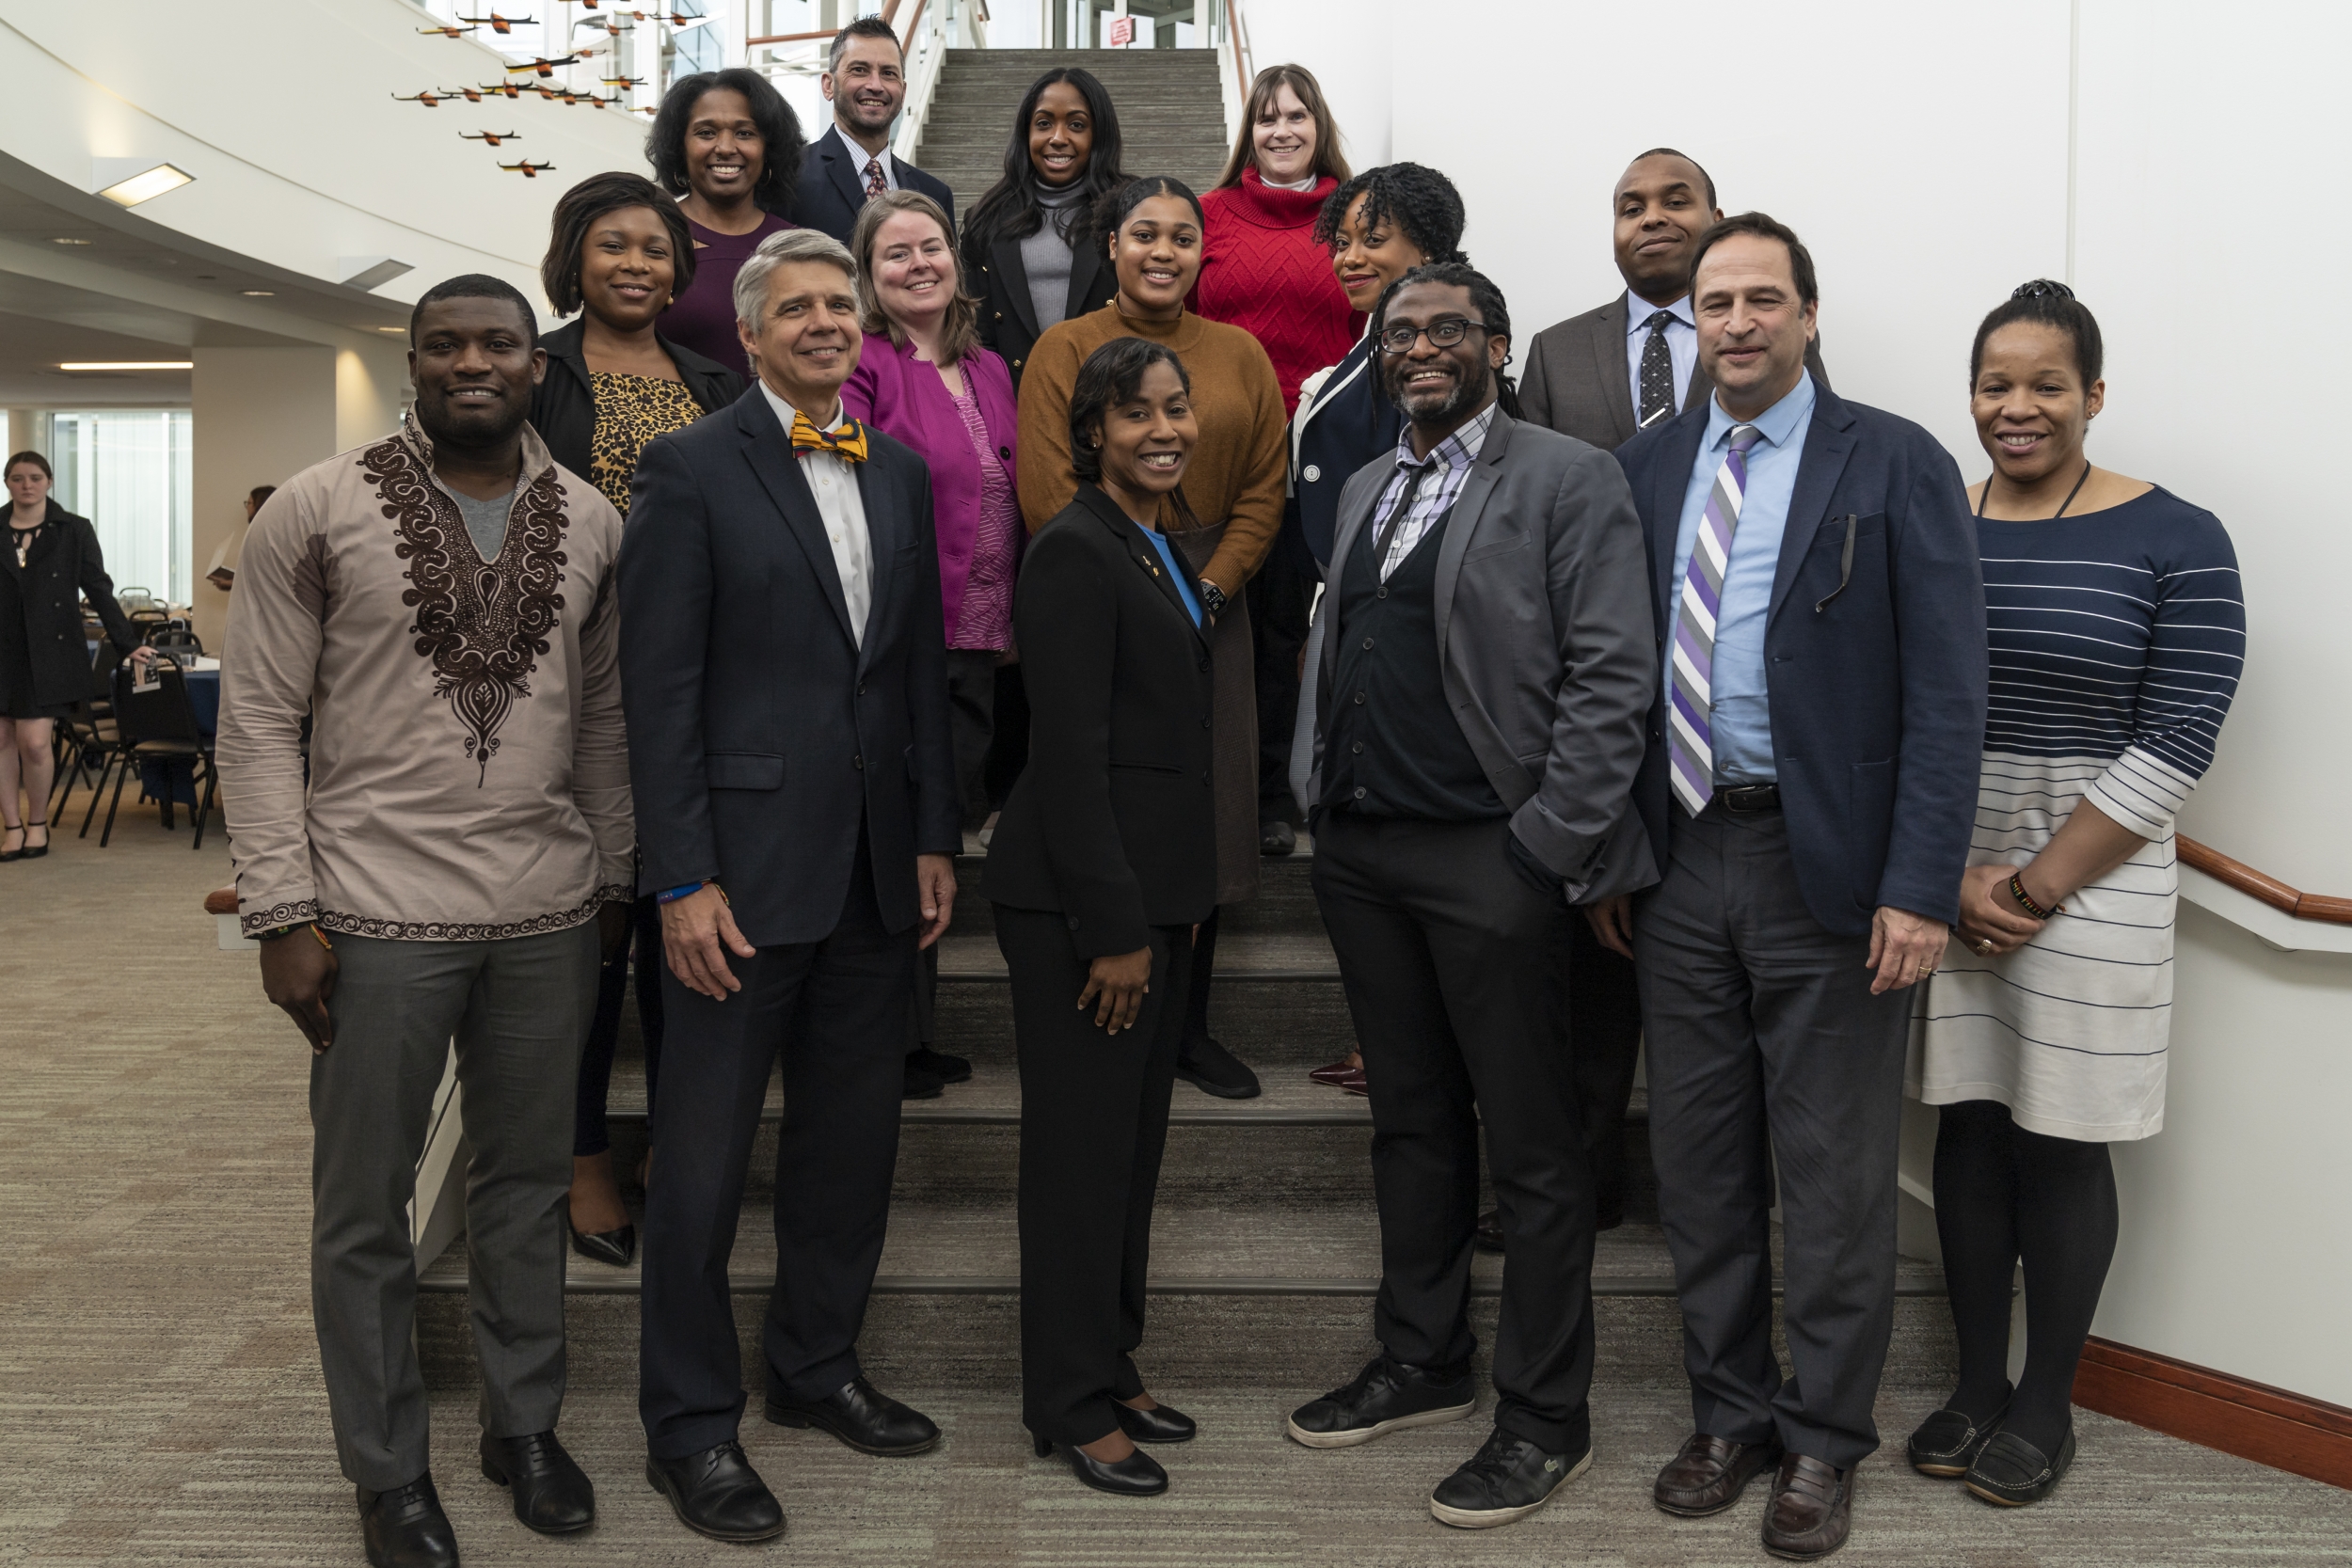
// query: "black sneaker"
[[1509, 1478], [1386, 1396], [1213, 1069], [948, 1070]]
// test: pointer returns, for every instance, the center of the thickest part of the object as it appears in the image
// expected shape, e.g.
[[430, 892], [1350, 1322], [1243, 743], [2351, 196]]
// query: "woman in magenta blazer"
[[924, 378]]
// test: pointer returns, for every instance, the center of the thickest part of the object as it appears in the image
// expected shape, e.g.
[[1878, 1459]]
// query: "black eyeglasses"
[[1442, 334]]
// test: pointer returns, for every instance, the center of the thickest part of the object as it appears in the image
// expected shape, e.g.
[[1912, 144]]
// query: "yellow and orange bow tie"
[[848, 443]]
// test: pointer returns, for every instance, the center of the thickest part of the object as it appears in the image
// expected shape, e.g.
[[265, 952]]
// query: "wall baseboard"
[[2270, 1426]]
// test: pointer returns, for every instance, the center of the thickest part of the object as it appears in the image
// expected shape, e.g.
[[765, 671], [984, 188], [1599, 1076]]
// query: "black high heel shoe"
[[1162, 1423], [1138, 1475], [31, 853], [617, 1247]]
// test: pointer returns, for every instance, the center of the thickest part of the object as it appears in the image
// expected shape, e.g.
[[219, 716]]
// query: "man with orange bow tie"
[[784, 676]]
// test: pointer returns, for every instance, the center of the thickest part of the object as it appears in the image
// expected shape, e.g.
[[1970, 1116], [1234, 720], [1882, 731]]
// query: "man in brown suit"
[[1600, 377]]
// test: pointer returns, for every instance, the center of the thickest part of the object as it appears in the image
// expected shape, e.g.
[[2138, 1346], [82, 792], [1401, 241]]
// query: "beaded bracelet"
[[2024, 899]]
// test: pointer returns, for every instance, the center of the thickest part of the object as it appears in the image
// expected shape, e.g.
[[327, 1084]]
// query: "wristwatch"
[[1212, 597]]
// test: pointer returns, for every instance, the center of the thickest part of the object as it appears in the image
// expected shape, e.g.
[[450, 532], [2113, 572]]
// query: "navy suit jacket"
[[1346, 425], [1876, 689], [760, 733], [832, 188]]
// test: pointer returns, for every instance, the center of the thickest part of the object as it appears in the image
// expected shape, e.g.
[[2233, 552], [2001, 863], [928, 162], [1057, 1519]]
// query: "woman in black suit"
[[1029, 245], [620, 254], [49, 564], [1102, 863]]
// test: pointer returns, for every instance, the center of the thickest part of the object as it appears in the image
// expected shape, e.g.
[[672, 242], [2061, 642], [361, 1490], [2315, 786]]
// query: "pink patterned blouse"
[[985, 620]]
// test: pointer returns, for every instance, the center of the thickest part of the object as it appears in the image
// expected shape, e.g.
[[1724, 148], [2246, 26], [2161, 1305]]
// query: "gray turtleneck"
[[1046, 255]]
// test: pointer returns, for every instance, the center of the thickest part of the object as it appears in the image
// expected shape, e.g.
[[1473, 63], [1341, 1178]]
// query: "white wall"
[[2183, 168]]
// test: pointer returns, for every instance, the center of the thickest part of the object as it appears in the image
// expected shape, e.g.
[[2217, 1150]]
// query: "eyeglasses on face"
[[1443, 333]]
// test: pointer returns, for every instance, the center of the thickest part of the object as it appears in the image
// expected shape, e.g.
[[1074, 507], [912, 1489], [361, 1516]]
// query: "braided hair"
[[2044, 302], [1485, 298]]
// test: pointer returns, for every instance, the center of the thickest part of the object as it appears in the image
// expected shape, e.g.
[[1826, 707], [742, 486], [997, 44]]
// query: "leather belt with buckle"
[[1750, 800]]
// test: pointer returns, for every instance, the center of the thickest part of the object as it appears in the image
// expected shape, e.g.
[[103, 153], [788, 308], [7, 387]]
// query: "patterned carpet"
[[160, 1399]]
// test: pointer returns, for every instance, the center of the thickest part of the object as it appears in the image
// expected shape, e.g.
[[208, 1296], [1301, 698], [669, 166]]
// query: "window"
[[128, 472]]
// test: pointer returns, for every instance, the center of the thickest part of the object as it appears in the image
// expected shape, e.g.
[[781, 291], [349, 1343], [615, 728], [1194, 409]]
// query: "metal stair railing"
[[935, 27]]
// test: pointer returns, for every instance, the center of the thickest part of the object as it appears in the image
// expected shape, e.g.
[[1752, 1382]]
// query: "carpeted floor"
[[160, 1399]]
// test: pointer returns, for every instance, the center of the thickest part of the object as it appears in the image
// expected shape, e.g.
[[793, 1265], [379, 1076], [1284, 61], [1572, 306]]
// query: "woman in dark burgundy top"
[[729, 148]]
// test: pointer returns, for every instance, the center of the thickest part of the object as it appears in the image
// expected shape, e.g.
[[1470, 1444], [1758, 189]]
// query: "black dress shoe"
[[946, 1069], [1509, 1478], [922, 1083], [33, 851], [1162, 1423], [1487, 1236], [552, 1494], [1812, 1509], [617, 1247], [866, 1419], [717, 1494], [1277, 838], [1386, 1396], [1138, 1475], [405, 1528], [1948, 1441], [1213, 1069], [1708, 1475], [2012, 1472]]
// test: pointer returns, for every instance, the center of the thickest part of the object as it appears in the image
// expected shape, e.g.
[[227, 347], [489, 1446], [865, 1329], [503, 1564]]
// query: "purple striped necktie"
[[1689, 732]]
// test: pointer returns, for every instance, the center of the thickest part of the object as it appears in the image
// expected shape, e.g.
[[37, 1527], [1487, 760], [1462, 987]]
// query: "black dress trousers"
[[1093, 1125], [1450, 962], [1605, 1034], [837, 1011]]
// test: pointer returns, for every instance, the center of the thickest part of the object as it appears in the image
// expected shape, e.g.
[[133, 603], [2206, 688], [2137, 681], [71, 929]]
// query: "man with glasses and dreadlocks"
[[1480, 703]]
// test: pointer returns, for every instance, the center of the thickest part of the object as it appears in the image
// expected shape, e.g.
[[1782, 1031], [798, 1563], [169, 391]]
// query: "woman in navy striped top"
[[2117, 631]]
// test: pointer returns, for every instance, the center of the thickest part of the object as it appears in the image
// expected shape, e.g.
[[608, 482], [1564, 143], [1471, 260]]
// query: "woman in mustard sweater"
[[1232, 485]]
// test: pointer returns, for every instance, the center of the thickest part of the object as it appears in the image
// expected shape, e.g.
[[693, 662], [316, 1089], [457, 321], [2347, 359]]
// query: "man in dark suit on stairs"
[[1600, 377], [785, 678], [865, 82]]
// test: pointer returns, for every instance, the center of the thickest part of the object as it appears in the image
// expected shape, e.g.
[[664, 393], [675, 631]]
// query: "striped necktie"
[[1691, 741]]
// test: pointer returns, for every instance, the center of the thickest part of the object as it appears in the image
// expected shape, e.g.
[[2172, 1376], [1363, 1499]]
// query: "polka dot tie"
[[1658, 373]]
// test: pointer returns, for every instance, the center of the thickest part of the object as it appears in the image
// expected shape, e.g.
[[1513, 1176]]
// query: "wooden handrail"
[[2256, 885]]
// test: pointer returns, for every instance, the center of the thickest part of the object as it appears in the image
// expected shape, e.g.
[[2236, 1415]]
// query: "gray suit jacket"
[[1544, 642], [1575, 382]]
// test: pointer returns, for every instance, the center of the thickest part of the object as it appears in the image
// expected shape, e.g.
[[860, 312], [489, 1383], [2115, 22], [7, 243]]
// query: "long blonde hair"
[[1301, 81], [959, 329]]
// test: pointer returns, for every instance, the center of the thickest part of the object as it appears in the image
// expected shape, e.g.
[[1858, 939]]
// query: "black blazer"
[[1113, 822], [42, 616], [759, 732], [1876, 688], [564, 409], [1576, 381], [1009, 315], [1346, 425], [832, 187]]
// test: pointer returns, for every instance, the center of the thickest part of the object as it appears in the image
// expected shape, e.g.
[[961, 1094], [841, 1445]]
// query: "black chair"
[[85, 740], [157, 726], [176, 638]]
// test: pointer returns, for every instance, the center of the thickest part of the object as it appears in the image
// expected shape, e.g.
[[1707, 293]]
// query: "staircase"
[[1265, 1251], [1171, 112]]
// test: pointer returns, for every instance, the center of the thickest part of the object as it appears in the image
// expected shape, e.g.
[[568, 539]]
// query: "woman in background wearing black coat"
[[49, 562], [1102, 864], [620, 254]]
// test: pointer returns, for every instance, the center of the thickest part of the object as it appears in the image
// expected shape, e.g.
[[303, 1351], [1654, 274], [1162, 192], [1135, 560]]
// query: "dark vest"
[[1393, 747]]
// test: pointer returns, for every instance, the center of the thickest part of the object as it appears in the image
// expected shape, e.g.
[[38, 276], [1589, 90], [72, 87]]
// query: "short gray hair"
[[789, 245]]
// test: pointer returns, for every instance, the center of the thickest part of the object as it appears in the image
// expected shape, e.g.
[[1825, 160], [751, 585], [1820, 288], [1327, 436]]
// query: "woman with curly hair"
[[728, 147]]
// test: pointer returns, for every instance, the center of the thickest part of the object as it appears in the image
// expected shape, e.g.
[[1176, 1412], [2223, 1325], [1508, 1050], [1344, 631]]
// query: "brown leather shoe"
[[1708, 1475], [1811, 1511]]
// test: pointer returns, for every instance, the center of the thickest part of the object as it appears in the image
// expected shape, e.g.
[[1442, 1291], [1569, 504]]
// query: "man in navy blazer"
[[864, 81], [785, 679], [1809, 785]]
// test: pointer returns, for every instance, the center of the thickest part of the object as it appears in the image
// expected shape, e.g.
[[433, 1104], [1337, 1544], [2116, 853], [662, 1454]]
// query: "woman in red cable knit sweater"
[[1261, 269]]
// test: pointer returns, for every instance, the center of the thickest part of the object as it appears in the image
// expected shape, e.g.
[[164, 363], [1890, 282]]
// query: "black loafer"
[[405, 1528], [946, 1069], [717, 1494], [1138, 1475], [1277, 838], [2012, 1472], [1509, 1478], [1386, 1396], [1213, 1069], [617, 1247], [552, 1494], [1948, 1441], [862, 1417], [1162, 1423]]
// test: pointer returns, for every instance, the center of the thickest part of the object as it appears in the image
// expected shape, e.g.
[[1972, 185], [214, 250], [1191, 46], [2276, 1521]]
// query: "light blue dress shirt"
[[1166, 547], [1740, 718], [1682, 343]]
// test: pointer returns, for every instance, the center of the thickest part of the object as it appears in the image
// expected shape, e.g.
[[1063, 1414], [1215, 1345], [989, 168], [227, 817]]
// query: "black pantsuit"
[[1093, 1125], [836, 1012], [1448, 955]]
